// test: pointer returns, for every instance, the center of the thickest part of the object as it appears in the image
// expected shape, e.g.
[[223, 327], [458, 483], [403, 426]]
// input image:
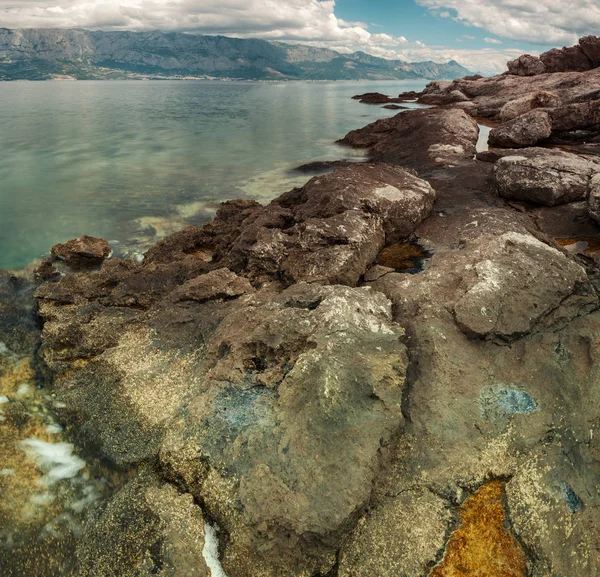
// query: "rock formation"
[[272, 375]]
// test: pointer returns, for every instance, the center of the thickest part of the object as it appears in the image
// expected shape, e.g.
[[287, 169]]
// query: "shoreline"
[[414, 336]]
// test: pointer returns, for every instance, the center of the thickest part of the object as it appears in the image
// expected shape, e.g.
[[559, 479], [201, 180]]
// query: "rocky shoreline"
[[270, 374]]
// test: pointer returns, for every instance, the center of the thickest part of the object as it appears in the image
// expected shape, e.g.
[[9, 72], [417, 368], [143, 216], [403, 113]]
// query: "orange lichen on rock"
[[482, 546]]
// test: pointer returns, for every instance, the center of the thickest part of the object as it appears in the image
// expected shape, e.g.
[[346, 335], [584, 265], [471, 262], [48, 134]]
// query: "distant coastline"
[[42, 54]]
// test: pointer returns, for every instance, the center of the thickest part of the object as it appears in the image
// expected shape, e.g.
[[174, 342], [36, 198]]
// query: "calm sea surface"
[[133, 161]]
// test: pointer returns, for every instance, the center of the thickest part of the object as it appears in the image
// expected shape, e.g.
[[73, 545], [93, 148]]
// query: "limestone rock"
[[594, 198], [576, 116], [567, 59], [83, 252], [423, 138], [282, 442], [590, 45], [217, 284], [331, 229], [519, 283], [541, 99], [547, 177], [442, 98], [146, 529], [525, 130], [526, 65]]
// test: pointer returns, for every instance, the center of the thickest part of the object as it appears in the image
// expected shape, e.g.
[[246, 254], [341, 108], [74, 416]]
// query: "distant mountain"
[[41, 54]]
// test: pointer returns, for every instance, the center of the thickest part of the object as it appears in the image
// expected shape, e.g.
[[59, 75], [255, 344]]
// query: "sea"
[[133, 161]]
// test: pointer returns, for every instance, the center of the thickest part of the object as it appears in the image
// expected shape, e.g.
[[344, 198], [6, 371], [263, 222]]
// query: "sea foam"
[[57, 459], [211, 551]]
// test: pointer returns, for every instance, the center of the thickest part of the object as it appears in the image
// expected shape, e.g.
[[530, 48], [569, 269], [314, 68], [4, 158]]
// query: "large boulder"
[[590, 45], [418, 138], [331, 229], [541, 176], [541, 99], [441, 98], [579, 116], [525, 130], [520, 283], [282, 441], [526, 65], [568, 59]]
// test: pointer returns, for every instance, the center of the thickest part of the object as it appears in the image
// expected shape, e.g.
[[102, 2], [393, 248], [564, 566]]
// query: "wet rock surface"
[[282, 375]]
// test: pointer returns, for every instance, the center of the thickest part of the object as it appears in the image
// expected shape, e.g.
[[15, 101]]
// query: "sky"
[[480, 34]]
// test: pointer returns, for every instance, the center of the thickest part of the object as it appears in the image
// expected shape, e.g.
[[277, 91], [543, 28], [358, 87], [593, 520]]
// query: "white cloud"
[[492, 41], [309, 21], [468, 37], [484, 60], [546, 22]]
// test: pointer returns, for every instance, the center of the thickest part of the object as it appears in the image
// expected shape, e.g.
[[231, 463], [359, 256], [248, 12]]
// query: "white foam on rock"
[[23, 390], [57, 459], [3, 348], [211, 551]]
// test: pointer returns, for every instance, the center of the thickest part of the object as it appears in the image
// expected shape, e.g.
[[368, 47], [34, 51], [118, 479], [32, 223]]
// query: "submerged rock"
[[319, 166]]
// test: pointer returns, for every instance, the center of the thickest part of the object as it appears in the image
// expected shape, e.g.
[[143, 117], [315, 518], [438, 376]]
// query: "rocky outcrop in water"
[[564, 84], [418, 139]]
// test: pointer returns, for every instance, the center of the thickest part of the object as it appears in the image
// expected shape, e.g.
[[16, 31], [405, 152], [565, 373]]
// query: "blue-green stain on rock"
[[573, 502], [516, 402], [502, 403]]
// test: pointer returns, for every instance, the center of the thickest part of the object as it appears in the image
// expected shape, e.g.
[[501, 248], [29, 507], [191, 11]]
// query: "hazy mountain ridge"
[[39, 54]]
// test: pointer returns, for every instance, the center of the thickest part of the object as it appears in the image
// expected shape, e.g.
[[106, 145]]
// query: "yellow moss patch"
[[482, 546], [13, 374]]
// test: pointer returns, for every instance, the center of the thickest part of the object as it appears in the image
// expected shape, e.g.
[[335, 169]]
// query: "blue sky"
[[480, 34], [415, 22]]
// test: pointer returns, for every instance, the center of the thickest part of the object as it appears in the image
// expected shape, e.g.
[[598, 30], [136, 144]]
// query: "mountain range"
[[42, 54]]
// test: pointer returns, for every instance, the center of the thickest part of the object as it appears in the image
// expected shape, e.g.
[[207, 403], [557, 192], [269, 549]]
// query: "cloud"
[[311, 22], [468, 37], [292, 20], [484, 60], [549, 22], [492, 41]]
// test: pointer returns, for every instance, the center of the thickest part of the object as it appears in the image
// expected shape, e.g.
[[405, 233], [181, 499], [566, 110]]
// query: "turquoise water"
[[133, 161]]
